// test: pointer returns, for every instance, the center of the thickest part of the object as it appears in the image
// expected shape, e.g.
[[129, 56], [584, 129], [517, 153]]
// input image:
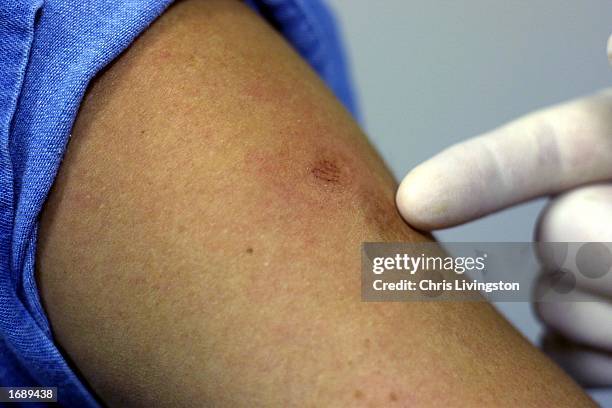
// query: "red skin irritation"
[[320, 174], [305, 172], [164, 55], [276, 94]]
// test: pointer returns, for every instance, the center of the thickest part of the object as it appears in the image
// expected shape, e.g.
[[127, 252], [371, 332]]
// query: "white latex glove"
[[558, 150]]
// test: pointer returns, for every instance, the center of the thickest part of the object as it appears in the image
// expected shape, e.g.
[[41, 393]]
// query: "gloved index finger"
[[542, 153]]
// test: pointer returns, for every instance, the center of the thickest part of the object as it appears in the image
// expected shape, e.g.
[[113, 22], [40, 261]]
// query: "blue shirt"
[[49, 52]]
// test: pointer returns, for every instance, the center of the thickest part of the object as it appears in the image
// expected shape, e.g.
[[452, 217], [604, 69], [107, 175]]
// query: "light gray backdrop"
[[430, 73]]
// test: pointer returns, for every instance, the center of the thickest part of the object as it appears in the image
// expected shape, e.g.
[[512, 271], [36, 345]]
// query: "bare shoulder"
[[201, 243]]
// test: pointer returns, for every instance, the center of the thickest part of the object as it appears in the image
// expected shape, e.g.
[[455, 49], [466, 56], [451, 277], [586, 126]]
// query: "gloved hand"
[[558, 150]]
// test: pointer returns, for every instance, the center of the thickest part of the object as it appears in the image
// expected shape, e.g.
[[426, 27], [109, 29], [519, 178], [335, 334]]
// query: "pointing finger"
[[542, 153]]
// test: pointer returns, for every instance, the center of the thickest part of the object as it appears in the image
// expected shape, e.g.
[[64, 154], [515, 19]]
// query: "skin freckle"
[[249, 251], [358, 394], [392, 397]]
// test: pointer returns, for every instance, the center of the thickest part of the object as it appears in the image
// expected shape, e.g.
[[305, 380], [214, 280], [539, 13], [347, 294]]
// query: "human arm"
[[201, 243]]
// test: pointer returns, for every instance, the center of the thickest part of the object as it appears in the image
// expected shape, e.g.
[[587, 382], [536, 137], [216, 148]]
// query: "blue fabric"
[[49, 52]]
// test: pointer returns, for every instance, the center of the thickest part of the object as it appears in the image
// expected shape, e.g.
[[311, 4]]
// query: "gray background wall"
[[430, 73]]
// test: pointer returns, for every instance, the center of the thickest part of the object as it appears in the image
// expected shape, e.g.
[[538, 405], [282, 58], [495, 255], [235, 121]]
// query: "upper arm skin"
[[201, 245]]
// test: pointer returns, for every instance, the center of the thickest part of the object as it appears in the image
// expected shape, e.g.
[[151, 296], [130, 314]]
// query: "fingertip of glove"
[[418, 203]]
